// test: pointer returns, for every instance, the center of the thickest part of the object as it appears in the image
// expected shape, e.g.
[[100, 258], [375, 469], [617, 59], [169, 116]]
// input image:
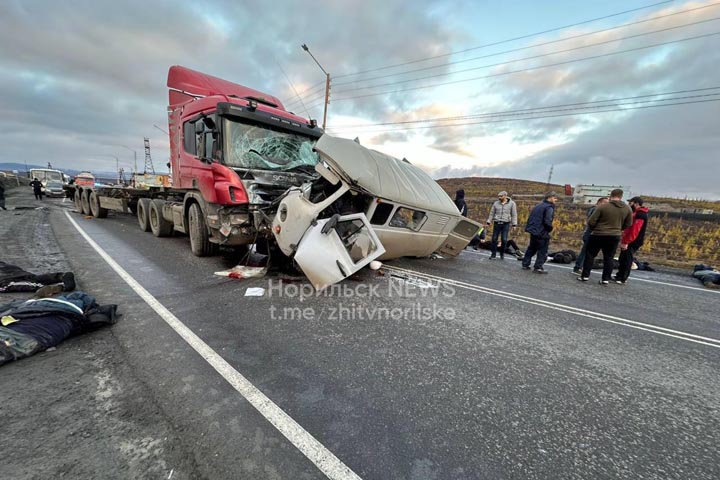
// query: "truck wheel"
[[95, 208], [85, 202], [200, 243], [143, 214], [78, 202], [159, 226]]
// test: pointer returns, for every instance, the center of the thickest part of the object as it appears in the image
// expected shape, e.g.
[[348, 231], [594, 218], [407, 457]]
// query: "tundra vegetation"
[[671, 240]]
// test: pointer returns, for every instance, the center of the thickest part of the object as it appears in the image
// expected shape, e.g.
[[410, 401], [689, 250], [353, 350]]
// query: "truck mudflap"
[[459, 238], [333, 249]]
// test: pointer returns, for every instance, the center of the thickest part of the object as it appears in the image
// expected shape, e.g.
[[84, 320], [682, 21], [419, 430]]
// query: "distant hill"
[[490, 186], [20, 167]]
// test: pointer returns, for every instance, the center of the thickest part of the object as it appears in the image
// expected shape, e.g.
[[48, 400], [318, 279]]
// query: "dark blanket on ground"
[[708, 275], [15, 279], [31, 326]]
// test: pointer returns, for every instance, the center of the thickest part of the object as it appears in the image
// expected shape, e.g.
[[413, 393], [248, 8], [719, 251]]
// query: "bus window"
[[408, 218]]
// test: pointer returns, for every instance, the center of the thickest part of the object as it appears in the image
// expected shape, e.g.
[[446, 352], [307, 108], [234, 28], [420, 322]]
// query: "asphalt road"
[[469, 369]]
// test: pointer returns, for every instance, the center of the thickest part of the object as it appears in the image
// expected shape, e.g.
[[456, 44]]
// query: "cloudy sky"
[[80, 79]]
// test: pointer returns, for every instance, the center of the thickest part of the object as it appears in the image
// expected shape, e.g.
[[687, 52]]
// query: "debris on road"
[[255, 292], [243, 271], [31, 326]]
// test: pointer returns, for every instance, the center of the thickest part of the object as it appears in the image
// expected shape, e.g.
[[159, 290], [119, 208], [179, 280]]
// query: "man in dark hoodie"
[[632, 239], [539, 226], [606, 226], [460, 202]]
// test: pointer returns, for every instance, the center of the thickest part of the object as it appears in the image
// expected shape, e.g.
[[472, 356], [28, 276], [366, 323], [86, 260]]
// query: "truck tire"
[[85, 202], [95, 208], [159, 226], [200, 243], [78, 202], [143, 214]]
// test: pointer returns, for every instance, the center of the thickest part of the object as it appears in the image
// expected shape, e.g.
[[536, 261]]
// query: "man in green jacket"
[[606, 225]]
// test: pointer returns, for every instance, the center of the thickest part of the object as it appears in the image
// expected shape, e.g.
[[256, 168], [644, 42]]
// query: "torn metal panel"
[[335, 248]]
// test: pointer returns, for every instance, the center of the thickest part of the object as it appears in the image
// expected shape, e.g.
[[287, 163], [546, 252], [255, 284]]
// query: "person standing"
[[37, 188], [460, 202], [503, 215], [539, 226], [632, 239], [586, 236], [606, 225], [2, 196]]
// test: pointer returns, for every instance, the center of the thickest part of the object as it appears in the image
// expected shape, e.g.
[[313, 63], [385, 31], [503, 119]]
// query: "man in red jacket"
[[632, 239]]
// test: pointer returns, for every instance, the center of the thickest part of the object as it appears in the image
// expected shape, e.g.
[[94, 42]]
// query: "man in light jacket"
[[503, 215]]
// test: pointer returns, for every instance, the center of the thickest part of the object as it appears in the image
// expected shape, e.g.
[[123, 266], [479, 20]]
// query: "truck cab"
[[234, 152]]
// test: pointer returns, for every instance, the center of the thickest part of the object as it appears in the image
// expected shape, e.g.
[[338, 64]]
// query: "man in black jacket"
[[37, 188], [460, 202], [539, 226], [2, 197]]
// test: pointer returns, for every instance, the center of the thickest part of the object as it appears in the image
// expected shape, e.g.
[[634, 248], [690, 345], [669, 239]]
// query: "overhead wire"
[[311, 87], [533, 57], [540, 117], [539, 67], [532, 109], [522, 37], [559, 40]]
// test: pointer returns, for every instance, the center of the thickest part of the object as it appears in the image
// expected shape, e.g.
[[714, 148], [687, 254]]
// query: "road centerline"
[[303, 440], [634, 278], [690, 337]]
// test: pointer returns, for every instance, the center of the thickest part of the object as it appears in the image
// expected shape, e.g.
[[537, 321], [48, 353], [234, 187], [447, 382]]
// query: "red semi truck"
[[233, 152]]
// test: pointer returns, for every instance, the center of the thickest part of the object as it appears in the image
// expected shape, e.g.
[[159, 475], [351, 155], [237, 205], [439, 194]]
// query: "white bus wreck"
[[365, 205]]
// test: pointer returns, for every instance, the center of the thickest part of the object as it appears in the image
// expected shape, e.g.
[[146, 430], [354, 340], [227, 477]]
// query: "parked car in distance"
[[54, 188]]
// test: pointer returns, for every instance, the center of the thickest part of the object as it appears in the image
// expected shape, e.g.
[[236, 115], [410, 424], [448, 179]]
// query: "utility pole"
[[552, 167], [327, 84], [135, 159], [117, 162]]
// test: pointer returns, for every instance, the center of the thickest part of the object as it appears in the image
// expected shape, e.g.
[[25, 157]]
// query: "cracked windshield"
[[255, 146]]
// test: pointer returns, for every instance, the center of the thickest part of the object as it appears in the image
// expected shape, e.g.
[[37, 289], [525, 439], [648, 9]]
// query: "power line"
[[533, 109], [504, 41], [294, 103], [311, 87], [573, 37], [293, 87], [529, 68], [545, 116], [533, 57], [545, 111], [314, 99]]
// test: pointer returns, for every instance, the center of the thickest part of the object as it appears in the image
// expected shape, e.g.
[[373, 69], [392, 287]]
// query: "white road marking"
[[634, 277], [690, 337], [316, 452]]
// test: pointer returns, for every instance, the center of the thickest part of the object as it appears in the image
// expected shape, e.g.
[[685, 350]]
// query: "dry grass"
[[669, 241]]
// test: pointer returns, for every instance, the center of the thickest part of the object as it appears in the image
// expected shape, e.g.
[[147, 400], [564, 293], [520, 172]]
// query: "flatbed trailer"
[[159, 209]]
